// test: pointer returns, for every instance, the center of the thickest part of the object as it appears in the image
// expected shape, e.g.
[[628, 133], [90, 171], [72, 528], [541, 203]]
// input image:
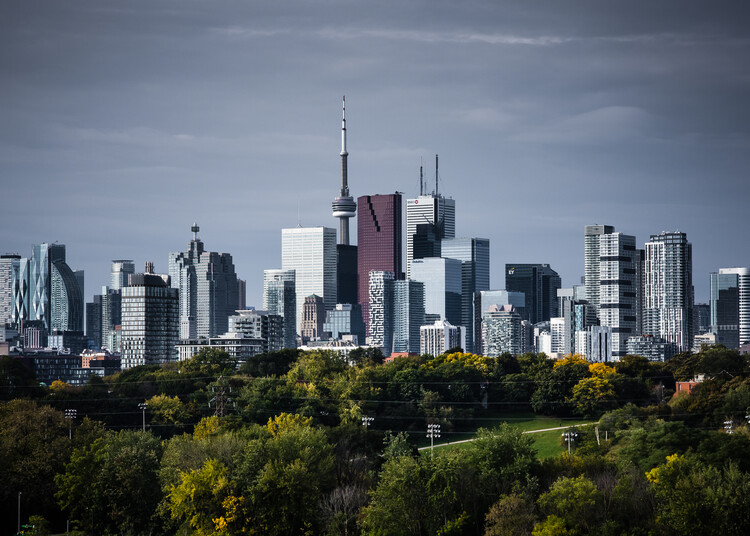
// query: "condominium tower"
[[591, 277], [280, 298]]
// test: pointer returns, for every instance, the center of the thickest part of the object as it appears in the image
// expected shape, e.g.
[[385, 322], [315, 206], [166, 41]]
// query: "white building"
[[428, 211], [501, 331], [311, 253], [440, 337]]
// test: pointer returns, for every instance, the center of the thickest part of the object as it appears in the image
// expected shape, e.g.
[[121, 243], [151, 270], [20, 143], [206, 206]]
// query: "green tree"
[[511, 515], [167, 409], [576, 501], [113, 483], [593, 395]]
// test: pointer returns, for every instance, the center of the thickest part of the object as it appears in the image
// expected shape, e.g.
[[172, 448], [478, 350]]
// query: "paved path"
[[527, 432]]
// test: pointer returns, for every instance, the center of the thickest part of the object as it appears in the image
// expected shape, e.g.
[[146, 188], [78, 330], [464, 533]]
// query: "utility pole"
[[143, 407], [433, 431], [70, 415], [19, 512], [220, 399]]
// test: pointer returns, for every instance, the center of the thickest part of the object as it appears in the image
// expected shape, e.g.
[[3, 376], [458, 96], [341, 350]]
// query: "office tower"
[[346, 274], [111, 301], [311, 253], [442, 286], [474, 254], [313, 317], [702, 317], [438, 338], [591, 278], [599, 344], [119, 273], [94, 321], [730, 306], [379, 236], [668, 307], [381, 310], [618, 289], [47, 290], [539, 283], [208, 289], [280, 298], [408, 315], [429, 219], [10, 266], [501, 331], [345, 319], [150, 320], [258, 325], [241, 294]]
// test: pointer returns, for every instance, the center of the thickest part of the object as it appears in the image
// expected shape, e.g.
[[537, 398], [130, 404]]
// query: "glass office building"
[[442, 287], [280, 298]]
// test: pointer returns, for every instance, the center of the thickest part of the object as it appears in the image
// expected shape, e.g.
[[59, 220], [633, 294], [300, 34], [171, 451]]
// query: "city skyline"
[[628, 116]]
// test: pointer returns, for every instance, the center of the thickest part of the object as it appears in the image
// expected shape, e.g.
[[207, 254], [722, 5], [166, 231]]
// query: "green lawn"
[[547, 443]]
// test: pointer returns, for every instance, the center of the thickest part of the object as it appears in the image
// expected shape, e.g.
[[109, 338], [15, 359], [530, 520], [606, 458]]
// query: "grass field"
[[547, 443]]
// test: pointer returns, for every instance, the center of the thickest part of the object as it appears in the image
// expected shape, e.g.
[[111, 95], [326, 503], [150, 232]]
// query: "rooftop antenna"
[[299, 220], [421, 177], [436, 176]]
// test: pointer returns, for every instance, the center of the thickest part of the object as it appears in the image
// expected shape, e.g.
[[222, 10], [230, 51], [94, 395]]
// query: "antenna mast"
[[421, 178], [436, 176]]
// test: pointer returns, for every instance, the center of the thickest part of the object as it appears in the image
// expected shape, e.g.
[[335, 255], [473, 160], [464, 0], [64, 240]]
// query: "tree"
[[574, 500], [167, 409], [113, 483], [593, 395], [511, 515]]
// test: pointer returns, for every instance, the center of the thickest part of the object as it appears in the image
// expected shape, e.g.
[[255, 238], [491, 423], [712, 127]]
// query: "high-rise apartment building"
[[539, 283], [150, 321], [208, 289], [474, 254], [280, 298], [311, 253], [442, 287], [429, 219], [438, 338], [381, 310], [408, 315], [241, 294], [10, 266], [501, 331], [591, 277], [94, 321], [730, 306], [258, 325], [669, 294], [618, 289], [379, 232]]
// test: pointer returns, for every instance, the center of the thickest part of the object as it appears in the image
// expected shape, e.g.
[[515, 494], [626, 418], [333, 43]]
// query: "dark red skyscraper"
[[379, 234]]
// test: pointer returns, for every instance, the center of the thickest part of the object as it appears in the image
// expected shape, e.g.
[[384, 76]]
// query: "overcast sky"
[[123, 122]]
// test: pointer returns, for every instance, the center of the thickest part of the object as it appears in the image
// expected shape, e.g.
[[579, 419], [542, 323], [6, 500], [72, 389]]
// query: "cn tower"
[[344, 206]]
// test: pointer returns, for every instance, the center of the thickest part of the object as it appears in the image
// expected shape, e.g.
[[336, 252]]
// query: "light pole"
[[728, 426], [19, 512], [367, 421], [570, 437], [143, 407], [70, 414], [433, 431]]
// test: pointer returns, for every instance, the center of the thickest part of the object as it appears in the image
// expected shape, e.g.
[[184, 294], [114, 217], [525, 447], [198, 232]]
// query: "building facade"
[[501, 331], [280, 298], [539, 283], [381, 310], [313, 318], [442, 287], [150, 321], [311, 253], [408, 315], [669, 294], [438, 338], [591, 236], [379, 237], [207, 284], [429, 220]]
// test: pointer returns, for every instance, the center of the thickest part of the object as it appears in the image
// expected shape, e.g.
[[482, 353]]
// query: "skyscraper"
[[10, 266], [668, 308], [280, 298], [436, 339], [618, 289], [539, 283], [150, 320], [381, 310], [408, 315], [120, 271], [429, 219], [501, 331], [208, 289], [591, 278], [47, 290], [474, 254], [442, 287], [313, 318], [379, 237], [311, 253], [730, 306]]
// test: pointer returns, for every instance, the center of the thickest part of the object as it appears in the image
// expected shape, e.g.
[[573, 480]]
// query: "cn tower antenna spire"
[[344, 206]]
